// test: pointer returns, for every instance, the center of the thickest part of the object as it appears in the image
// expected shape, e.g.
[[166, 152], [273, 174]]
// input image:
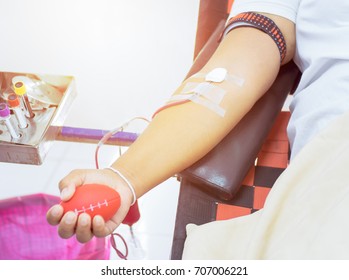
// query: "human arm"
[[180, 135], [201, 126]]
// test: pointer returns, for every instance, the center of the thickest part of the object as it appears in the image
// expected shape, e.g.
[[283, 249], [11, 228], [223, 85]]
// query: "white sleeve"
[[285, 8]]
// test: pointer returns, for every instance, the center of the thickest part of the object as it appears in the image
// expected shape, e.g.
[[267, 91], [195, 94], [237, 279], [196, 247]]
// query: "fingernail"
[[66, 193], [69, 218], [83, 220], [56, 211], [98, 220], [63, 194]]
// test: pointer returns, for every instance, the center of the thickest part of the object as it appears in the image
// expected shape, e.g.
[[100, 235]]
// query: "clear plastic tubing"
[[14, 103], [5, 117]]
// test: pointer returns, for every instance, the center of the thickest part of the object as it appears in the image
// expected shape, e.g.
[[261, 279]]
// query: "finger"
[[66, 227], [54, 214], [102, 228], [83, 230], [75, 178], [67, 192], [68, 184], [99, 227]]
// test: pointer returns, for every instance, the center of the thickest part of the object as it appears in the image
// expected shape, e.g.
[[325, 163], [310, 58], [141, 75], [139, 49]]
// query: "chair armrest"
[[223, 169]]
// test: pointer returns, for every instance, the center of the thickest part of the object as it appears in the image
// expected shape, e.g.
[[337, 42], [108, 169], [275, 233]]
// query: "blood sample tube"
[[5, 116], [21, 91], [14, 103]]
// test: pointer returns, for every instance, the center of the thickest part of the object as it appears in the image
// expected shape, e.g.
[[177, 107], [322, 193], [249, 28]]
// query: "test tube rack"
[[51, 98]]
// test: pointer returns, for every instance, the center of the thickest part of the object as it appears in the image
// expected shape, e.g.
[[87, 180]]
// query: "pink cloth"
[[26, 235]]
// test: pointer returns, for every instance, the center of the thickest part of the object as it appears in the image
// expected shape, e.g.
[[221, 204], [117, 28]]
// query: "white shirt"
[[322, 55]]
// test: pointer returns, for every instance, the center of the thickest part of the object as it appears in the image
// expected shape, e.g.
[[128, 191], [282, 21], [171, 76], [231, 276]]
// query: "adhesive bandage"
[[207, 93], [219, 75]]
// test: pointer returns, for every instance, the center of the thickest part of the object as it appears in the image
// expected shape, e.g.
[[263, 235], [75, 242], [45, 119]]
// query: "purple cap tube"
[[6, 117]]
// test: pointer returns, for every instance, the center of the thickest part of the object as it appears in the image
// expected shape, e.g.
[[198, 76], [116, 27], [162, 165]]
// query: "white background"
[[127, 56]]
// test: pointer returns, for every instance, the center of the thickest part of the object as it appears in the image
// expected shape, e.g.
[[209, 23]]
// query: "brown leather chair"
[[229, 181]]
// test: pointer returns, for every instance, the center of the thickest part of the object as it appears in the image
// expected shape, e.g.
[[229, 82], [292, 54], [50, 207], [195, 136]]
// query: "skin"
[[245, 52]]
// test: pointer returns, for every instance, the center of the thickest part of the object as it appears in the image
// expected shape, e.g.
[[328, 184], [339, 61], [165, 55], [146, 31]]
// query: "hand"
[[82, 225]]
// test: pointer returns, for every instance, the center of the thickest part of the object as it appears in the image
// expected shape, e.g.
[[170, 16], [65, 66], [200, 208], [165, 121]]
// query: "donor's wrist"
[[127, 182]]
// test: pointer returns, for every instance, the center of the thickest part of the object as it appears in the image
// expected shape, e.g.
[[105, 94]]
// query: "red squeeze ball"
[[93, 199]]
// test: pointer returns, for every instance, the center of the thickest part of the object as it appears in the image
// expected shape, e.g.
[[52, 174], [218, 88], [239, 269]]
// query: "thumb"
[[68, 184], [67, 192]]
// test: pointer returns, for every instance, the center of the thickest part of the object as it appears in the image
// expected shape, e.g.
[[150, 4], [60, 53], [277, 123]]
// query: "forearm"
[[179, 136]]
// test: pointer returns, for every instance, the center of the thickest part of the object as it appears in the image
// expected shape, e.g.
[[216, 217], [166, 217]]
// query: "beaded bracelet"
[[260, 22]]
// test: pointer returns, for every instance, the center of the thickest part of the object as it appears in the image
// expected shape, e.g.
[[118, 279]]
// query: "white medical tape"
[[208, 90], [179, 97], [210, 105], [198, 99], [208, 93]]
